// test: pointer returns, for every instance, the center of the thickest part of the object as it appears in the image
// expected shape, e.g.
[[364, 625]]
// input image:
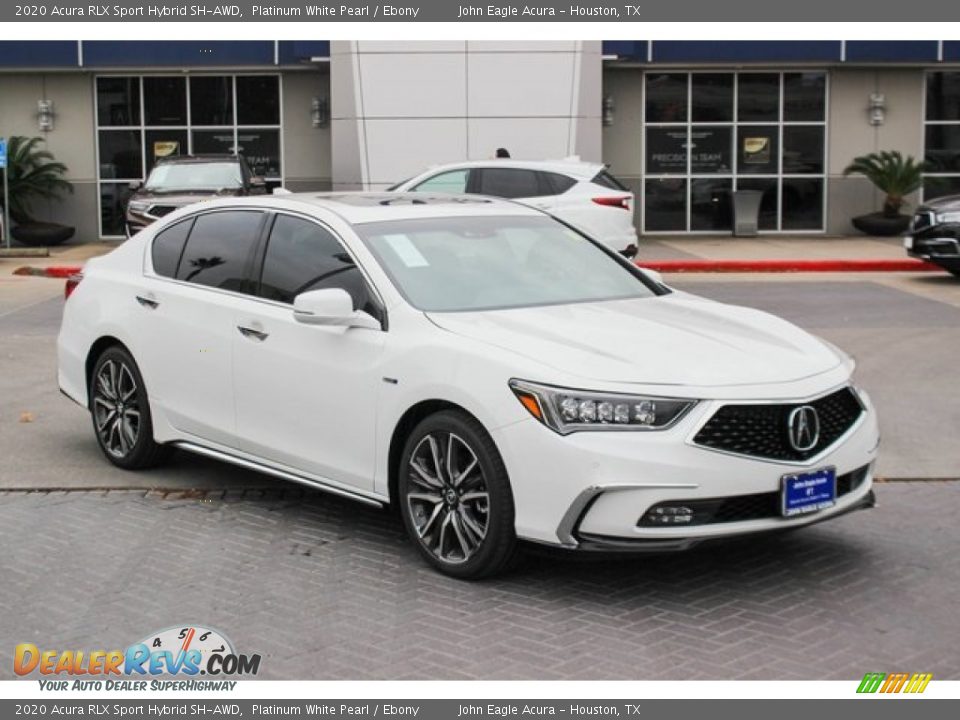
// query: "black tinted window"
[[168, 246], [509, 183], [557, 183], [303, 256], [220, 249]]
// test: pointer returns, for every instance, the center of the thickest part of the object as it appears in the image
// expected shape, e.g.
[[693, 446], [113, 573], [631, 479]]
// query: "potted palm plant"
[[896, 177], [35, 175]]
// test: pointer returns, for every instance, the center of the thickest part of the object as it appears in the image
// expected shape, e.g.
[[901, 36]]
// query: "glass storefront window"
[[667, 151], [758, 97], [141, 119], [665, 204], [710, 204], [804, 97], [118, 101], [803, 149], [165, 101], [120, 155], [666, 97], [211, 100], [709, 134], [258, 100], [710, 150], [942, 135], [712, 97]]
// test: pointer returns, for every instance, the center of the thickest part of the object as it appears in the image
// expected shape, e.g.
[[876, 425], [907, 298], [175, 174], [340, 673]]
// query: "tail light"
[[619, 202], [72, 282]]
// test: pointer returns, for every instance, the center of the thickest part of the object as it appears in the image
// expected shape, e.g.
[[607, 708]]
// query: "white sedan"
[[581, 194], [493, 374]]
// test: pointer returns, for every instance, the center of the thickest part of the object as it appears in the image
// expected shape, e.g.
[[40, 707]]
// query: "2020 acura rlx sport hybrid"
[[494, 374]]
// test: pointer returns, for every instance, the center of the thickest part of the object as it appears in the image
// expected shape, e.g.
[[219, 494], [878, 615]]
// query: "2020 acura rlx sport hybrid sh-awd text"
[[492, 373]]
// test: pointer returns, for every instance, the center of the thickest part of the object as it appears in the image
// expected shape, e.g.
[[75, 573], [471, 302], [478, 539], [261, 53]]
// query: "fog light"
[[669, 515]]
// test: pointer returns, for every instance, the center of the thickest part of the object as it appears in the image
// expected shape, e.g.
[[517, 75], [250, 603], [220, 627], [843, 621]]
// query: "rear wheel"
[[455, 497], [120, 411]]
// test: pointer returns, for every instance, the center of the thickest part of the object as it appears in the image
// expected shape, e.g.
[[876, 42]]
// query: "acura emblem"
[[803, 428]]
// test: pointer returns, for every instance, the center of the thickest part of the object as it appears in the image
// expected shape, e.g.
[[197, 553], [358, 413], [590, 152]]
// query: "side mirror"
[[332, 307], [135, 185]]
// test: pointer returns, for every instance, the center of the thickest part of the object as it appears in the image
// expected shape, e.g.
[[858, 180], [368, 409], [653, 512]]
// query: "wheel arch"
[[401, 431], [99, 346]]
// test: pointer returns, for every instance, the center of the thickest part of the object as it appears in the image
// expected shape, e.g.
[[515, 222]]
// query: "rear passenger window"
[[453, 182], [557, 183], [303, 256], [168, 246], [509, 183], [220, 249]]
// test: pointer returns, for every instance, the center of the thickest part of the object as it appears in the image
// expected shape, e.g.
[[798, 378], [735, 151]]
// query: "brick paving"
[[326, 589]]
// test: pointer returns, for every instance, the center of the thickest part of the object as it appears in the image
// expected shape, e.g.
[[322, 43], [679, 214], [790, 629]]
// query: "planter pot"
[[880, 224], [42, 234]]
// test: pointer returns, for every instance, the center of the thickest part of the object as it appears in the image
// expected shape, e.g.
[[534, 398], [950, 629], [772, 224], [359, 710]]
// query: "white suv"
[[581, 194]]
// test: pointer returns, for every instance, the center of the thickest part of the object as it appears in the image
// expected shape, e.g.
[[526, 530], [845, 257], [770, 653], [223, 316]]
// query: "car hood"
[[676, 339], [949, 202]]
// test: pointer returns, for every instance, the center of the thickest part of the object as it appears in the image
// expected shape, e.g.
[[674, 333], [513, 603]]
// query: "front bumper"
[[589, 490], [939, 245]]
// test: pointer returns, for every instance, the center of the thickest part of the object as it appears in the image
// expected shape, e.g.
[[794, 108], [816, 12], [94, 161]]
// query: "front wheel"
[[455, 497], [120, 411]]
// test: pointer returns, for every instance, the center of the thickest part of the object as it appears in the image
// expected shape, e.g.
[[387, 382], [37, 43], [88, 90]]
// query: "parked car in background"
[[185, 179], [492, 373], [582, 194], [934, 233]]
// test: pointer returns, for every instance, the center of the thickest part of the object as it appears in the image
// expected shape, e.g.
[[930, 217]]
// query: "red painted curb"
[[54, 271], [780, 265]]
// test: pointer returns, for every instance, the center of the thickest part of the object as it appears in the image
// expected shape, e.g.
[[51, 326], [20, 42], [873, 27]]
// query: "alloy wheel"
[[116, 408], [447, 499]]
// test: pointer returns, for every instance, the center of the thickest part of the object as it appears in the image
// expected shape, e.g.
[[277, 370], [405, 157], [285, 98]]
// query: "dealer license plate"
[[808, 492]]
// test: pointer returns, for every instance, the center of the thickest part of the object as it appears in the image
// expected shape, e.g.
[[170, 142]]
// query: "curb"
[[786, 266], [54, 271]]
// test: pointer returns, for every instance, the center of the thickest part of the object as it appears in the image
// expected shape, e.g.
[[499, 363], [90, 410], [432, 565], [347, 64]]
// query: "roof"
[[359, 207], [573, 167]]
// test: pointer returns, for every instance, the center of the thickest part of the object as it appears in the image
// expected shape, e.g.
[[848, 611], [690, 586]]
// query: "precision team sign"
[[502, 11]]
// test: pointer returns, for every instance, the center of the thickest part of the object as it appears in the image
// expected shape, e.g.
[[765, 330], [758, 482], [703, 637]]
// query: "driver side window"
[[302, 256]]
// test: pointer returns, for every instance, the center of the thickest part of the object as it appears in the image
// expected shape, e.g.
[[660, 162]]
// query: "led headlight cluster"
[[566, 410], [139, 206]]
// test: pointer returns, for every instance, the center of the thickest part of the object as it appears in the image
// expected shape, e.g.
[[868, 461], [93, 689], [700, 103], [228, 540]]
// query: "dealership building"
[[683, 123]]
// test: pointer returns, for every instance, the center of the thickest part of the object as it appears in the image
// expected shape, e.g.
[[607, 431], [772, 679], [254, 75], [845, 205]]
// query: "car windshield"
[[195, 176], [482, 263]]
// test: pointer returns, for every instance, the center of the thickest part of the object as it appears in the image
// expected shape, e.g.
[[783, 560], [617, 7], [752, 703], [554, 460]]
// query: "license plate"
[[808, 492]]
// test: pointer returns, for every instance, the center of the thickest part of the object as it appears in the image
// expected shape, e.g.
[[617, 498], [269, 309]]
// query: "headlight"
[[948, 217], [566, 410], [140, 207]]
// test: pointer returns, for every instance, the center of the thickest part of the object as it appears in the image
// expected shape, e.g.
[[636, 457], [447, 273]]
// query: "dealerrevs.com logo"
[[190, 651], [889, 683]]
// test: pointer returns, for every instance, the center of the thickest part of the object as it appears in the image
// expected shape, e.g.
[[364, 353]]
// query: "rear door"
[[199, 275]]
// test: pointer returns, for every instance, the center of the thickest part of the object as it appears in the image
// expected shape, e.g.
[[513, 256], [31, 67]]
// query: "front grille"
[[739, 508], [161, 210], [762, 430]]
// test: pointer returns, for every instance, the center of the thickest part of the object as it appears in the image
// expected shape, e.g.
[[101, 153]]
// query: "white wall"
[[399, 107]]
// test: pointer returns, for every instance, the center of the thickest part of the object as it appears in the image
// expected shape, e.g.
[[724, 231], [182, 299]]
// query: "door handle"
[[147, 302], [253, 333]]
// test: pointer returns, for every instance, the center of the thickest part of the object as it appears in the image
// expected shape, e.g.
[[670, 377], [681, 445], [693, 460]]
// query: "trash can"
[[746, 212]]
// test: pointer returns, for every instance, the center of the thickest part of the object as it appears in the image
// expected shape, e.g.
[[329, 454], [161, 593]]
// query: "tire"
[[120, 412], [461, 516]]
